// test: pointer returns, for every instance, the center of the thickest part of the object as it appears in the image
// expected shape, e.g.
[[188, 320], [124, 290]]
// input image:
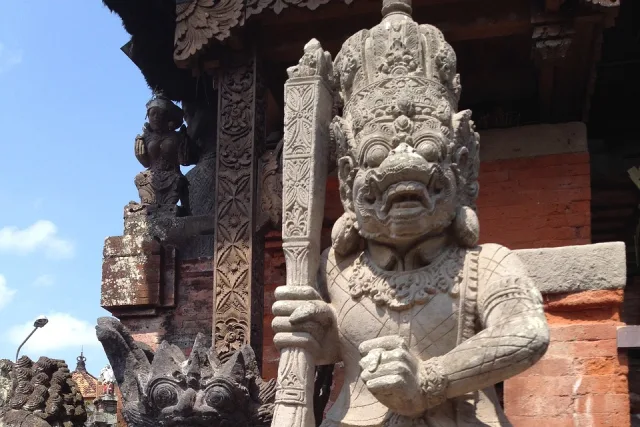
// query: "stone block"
[[572, 269]]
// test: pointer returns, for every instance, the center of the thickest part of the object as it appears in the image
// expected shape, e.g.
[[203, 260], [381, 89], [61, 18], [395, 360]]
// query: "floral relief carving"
[[297, 199], [230, 335], [235, 193], [298, 125]]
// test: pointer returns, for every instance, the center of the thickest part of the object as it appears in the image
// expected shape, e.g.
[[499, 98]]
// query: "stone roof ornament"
[[82, 362]]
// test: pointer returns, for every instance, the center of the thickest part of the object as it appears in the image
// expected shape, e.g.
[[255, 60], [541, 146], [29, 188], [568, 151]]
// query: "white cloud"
[[62, 331], [6, 293], [9, 58], [42, 235], [44, 281]]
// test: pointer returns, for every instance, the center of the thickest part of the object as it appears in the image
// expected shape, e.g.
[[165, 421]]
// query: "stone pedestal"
[[141, 270]]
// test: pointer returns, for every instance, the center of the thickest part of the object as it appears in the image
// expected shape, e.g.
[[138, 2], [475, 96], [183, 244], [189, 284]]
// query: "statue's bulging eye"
[[375, 155], [429, 151], [431, 146], [164, 395], [218, 397]]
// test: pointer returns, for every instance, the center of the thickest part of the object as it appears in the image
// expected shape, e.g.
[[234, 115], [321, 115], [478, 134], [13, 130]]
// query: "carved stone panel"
[[241, 132]]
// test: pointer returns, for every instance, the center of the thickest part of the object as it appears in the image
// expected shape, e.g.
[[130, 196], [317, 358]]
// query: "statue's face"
[[157, 118], [404, 188], [220, 403]]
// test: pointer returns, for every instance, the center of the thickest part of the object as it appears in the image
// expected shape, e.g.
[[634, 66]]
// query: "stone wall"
[[193, 312], [535, 186], [536, 202], [582, 380]]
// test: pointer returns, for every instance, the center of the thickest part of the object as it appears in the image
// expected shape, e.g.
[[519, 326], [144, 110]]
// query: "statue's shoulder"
[[496, 261], [332, 265]]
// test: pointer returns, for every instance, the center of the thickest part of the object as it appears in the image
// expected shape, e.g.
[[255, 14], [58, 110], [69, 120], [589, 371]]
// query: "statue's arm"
[[304, 318], [514, 332], [140, 149]]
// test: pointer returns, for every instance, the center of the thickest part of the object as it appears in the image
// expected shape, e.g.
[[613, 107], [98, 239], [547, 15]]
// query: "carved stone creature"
[[39, 394], [425, 320], [167, 389], [162, 149]]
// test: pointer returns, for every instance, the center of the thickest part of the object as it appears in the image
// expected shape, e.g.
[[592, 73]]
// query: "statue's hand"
[[140, 149], [302, 320], [394, 376]]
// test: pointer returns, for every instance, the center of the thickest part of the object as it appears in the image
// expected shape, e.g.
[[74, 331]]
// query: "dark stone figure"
[[162, 148], [167, 389], [40, 394]]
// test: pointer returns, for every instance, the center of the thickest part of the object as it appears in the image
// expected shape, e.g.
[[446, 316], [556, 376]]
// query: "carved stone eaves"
[[551, 43], [199, 22]]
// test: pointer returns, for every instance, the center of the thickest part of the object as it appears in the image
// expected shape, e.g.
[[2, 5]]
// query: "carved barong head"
[[39, 394], [165, 388], [407, 159]]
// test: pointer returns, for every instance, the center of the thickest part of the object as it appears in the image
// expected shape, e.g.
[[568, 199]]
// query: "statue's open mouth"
[[406, 198]]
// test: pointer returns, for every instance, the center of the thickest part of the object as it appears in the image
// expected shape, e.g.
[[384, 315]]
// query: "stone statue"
[[39, 394], [162, 149], [425, 320], [167, 389]]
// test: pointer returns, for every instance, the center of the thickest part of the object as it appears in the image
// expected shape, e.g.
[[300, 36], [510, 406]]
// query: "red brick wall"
[[582, 379], [536, 202], [193, 312]]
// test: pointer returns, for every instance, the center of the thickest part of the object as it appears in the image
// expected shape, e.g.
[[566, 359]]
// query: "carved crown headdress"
[[400, 76], [159, 100], [394, 62]]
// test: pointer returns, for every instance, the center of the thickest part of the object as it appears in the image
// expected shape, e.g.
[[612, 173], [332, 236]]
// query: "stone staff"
[[308, 108]]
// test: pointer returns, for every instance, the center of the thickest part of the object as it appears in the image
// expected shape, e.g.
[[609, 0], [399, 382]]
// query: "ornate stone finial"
[[314, 62], [396, 6], [81, 365]]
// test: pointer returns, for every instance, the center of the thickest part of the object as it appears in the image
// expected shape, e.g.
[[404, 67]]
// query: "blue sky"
[[71, 104]]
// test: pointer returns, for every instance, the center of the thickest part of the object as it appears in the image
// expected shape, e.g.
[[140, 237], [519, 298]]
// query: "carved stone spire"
[[82, 365]]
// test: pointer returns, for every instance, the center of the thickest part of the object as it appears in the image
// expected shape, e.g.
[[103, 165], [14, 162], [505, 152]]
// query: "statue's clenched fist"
[[302, 320], [398, 379]]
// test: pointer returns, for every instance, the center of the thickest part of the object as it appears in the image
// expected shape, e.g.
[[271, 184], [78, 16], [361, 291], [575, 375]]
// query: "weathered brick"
[[542, 421], [551, 366], [583, 332], [602, 384], [602, 404]]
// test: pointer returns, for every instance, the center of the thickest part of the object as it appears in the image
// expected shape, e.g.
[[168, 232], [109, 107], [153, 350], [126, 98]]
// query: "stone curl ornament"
[[39, 394]]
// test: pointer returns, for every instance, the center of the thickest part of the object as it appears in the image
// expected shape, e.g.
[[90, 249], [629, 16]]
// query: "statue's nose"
[[185, 403], [403, 156], [402, 148]]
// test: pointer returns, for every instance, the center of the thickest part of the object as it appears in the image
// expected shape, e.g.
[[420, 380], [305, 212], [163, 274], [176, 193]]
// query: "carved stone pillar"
[[238, 256]]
